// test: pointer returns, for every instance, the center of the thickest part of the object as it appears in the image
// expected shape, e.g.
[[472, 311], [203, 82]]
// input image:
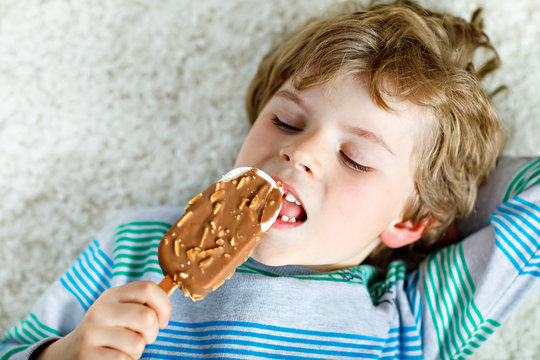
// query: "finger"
[[109, 312], [138, 318], [150, 294], [109, 342], [106, 354]]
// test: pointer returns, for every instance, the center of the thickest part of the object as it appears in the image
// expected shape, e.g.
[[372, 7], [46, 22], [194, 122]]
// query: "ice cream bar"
[[218, 232]]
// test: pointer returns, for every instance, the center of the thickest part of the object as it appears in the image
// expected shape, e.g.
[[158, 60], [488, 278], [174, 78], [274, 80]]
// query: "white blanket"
[[107, 105]]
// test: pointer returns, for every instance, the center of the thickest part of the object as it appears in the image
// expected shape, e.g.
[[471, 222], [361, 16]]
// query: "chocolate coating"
[[217, 233]]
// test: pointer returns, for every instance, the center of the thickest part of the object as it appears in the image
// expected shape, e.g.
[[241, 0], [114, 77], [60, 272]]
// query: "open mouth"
[[292, 211]]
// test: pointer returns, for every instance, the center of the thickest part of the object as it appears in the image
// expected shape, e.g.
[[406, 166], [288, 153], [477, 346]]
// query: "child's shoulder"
[[511, 177], [156, 214], [138, 222]]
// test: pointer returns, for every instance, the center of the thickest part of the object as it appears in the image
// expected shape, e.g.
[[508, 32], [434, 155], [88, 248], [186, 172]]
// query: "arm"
[[117, 326], [87, 288], [469, 288]]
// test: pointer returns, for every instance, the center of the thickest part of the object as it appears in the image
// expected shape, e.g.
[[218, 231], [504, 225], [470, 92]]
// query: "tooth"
[[292, 220], [297, 203], [290, 198], [284, 218]]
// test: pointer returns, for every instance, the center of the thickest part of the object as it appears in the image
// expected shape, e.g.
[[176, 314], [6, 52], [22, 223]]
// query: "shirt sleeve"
[[123, 252], [469, 288], [58, 311]]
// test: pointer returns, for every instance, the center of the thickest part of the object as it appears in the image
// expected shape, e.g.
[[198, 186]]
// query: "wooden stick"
[[168, 285]]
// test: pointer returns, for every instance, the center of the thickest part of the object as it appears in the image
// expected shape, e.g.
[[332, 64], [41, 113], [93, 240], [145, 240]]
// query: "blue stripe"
[[74, 293], [535, 261], [100, 281], [533, 273], [270, 355], [256, 344], [276, 328], [90, 294], [514, 213], [184, 357], [414, 296], [98, 288], [519, 213], [418, 317], [405, 342], [526, 269], [266, 337], [410, 338], [78, 290], [535, 207], [513, 238], [402, 329], [105, 257], [110, 264], [501, 247], [403, 347]]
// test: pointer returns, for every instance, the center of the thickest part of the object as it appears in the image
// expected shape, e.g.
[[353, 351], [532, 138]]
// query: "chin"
[[269, 259]]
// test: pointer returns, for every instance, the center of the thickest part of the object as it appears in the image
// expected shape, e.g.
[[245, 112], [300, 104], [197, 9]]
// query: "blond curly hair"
[[410, 53]]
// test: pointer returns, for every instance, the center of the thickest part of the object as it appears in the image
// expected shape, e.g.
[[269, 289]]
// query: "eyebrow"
[[289, 95], [366, 134], [371, 136]]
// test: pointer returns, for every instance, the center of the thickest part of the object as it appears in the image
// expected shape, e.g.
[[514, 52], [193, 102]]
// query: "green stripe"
[[137, 239], [458, 302], [10, 352], [323, 277], [463, 297], [530, 182], [33, 327], [396, 272], [462, 328], [135, 265], [480, 337], [428, 282], [520, 178], [18, 336], [144, 223], [486, 329], [136, 248], [41, 329], [44, 327], [139, 257], [362, 274], [449, 293], [443, 296], [470, 283], [135, 274], [28, 334], [466, 284]]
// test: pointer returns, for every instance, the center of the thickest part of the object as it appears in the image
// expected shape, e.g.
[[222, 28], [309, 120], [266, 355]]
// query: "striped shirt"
[[446, 308]]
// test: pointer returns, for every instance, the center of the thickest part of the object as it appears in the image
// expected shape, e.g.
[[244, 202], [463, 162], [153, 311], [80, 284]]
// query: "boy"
[[376, 125]]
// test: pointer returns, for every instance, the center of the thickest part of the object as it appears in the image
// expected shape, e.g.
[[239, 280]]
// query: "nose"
[[305, 154]]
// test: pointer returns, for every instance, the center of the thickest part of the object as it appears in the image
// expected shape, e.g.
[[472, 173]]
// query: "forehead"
[[422, 123]]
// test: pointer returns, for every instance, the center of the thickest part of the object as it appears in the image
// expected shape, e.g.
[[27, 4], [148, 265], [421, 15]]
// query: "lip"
[[288, 189]]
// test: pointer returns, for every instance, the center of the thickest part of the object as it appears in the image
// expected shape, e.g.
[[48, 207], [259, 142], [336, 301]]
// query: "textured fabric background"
[[108, 105]]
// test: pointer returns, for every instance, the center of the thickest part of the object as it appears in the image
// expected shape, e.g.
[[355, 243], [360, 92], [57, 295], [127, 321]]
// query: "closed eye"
[[353, 164], [284, 126]]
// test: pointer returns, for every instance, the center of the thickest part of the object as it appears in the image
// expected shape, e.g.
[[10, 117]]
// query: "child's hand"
[[117, 326]]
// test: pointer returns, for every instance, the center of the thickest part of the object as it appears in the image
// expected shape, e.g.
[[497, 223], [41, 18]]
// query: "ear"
[[405, 233]]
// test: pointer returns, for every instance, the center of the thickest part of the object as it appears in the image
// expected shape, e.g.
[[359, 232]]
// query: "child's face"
[[347, 161]]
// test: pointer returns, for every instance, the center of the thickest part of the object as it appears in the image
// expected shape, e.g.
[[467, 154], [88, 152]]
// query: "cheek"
[[256, 146], [372, 205]]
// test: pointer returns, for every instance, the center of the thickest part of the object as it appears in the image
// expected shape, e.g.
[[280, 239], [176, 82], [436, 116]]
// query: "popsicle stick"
[[168, 285]]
